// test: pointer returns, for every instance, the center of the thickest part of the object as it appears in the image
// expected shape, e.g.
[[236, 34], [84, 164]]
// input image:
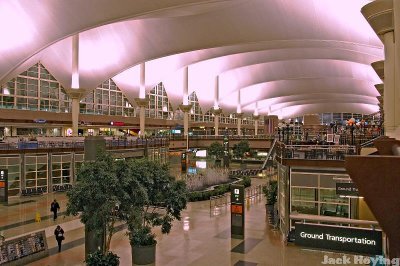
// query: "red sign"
[[237, 209], [117, 123]]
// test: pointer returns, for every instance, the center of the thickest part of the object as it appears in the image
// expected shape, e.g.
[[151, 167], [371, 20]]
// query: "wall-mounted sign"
[[360, 241], [4, 185], [346, 189], [117, 123], [40, 121], [237, 211]]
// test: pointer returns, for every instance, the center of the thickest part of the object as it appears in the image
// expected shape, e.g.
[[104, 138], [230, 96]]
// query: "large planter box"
[[270, 213], [143, 255]]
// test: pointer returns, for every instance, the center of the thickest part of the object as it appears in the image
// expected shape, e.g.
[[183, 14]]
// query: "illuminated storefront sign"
[[117, 123]]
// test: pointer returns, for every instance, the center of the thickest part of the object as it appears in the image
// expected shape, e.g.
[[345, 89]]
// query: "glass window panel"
[[305, 180], [42, 159], [66, 158], [30, 168], [329, 195], [13, 177], [42, 167], [30, 160], [42, 175], [334, 210], [56, 181], [56, 173], [305, 207], [41, 182], [13, 169], [30, 183], [66, 172], [305, 194], [66, 179], [13, 184], [329, 181]]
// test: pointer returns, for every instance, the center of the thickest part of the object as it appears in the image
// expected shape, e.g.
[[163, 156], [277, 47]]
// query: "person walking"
[[55, 207], [59, 233]]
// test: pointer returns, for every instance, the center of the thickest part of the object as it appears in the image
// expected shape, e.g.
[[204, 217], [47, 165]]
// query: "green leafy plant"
[[142, 236], [94, 198], [99, 259], [163, 200], [241, 148], [271, 192], [216, 149]]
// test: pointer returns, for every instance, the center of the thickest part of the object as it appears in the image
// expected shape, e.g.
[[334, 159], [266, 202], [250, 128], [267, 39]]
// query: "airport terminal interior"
[[199, 132]]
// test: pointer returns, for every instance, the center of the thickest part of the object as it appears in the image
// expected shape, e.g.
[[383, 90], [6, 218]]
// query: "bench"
[[61, 188], [33, 191]]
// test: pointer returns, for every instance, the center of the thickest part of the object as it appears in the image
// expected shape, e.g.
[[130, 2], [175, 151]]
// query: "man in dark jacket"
[[55, 207], [59, 233]]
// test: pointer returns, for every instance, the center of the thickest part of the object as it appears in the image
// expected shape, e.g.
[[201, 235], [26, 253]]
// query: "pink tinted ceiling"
[[246, 43]]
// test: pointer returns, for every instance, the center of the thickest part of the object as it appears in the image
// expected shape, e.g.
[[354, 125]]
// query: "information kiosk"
[[237, 211], [4, 186]]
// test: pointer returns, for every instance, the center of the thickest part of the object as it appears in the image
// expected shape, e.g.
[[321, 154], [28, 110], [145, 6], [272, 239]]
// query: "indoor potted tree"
[[94, 198], [216, 149], [164, 200], [271, 195], [240, 149]]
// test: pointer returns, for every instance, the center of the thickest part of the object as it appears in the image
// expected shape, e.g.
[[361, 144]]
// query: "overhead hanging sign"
[[360, 241], [346, 189]]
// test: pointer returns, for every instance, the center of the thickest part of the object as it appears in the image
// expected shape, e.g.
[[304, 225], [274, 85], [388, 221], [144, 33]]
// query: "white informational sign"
[[201, 164], [201, 153], [329, 137]]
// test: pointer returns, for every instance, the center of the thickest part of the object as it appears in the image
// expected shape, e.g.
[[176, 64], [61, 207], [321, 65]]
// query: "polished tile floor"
[[201, 238]]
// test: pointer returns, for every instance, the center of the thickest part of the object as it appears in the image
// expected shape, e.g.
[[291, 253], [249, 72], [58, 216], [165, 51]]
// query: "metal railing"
[[370, 143], [110, 144], [270, 154], [224, 200], [220, 137], [315, 152]]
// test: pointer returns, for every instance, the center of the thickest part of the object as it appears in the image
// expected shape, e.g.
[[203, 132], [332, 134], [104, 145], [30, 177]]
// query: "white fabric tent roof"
[[291, 57]]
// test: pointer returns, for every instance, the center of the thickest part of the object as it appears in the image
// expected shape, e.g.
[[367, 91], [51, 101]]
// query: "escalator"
[[270, 156]]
